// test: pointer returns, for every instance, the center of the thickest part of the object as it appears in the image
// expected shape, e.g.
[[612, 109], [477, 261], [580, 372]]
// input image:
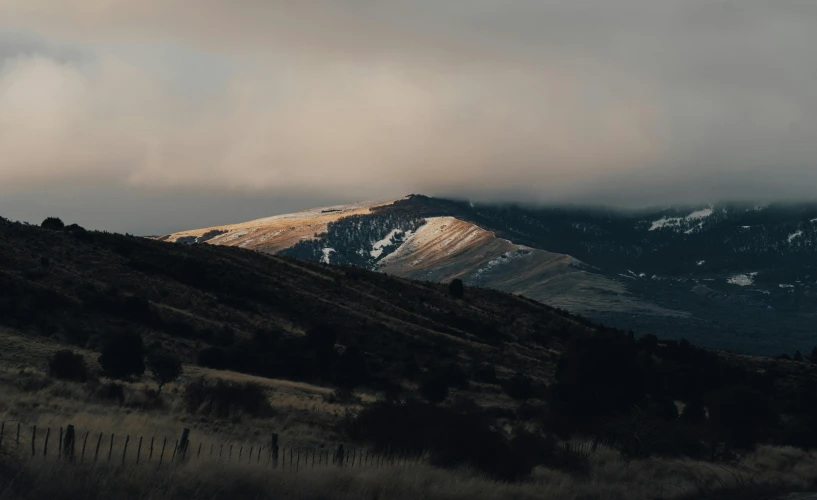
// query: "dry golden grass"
[[609, 478]]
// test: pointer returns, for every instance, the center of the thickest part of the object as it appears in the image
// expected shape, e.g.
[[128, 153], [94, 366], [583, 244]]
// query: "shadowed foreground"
[[767, 473]]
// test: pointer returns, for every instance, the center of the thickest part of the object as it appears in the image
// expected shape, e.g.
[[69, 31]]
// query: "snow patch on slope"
[[795, 235], [326, 253], [676, 221], [742, 279], [377, 246]]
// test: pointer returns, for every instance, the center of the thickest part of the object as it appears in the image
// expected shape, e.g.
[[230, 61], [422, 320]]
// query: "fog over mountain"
[[131, 113]]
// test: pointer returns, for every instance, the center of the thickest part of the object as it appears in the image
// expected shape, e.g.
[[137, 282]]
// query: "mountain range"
[[734, 276]]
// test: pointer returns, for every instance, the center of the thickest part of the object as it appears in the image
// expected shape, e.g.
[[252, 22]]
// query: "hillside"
[[737, 277], [78, 286]]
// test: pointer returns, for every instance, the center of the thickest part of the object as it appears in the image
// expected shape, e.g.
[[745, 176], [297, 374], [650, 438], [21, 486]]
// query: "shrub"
[[451, 437], [123, 356], [67, 365], [222, 399], [434, 388], [53, 224], [212, 357], [519, 387], [165, 367], [456, 289]]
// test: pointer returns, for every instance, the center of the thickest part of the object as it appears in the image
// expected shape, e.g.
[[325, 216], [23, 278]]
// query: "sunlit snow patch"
[[326, 253], [742, 279], [795, 235], [377, 247]]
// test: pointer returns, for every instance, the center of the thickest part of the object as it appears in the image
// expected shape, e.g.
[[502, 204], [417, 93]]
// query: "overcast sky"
[[156, 115]]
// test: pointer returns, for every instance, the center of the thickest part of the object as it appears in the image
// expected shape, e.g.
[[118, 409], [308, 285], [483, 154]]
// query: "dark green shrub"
[[456, 289], [165, 367], [519, 387], [53, 224], [212, 357], [67, 365], [123, 356], [434, 387]]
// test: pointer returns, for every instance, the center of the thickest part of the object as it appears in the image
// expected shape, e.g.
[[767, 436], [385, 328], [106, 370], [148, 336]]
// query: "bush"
[[52, 223], [212, 357], [519, 387], [123, 356], [450, 436], [165, 367], [67, 365], [434, 388], [456, 289], [222, 399]]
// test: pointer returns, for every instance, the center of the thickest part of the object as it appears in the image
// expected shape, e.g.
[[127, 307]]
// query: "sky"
[[161, 115]]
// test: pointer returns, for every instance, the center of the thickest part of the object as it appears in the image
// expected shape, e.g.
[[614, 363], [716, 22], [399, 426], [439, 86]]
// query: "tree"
[[814, 355], [67, 365], [519, 387], [166, 367], [53, 224], [798, 356], [434, 388], [456, 288], [123, 356], [742, 416]]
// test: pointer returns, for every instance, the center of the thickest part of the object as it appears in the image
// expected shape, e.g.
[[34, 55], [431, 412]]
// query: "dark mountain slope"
[[81, 286]]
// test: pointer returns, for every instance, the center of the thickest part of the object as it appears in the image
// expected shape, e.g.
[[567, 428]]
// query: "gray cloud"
[[629, 102]]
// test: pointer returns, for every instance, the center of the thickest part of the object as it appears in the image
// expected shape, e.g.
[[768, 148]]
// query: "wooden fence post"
[[184, 442], [84, 444], [18, 435], [340, 455], [139, 450], [220, 450], [290, 457], [313, 458], [45, 447], [125, 448], [240, 452], [68, 443], [175, 448], [249, 460], [230, 454], [98, 443], [162, 456], [211, 450], [150, 455], [33, 439], [274, 451], [258, 460], [198, 454], [110, 448], [59, 444], [2, 431]]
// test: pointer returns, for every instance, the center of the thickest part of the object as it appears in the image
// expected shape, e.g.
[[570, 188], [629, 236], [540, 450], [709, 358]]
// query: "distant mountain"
[[731, 276]]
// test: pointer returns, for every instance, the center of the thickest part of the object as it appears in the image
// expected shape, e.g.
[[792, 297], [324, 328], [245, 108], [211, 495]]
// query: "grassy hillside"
[[78, 287]]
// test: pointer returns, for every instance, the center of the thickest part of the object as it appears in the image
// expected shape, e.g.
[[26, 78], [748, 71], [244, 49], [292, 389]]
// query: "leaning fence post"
[[258, 460], [198, 454], [175, 448], [84, 444], [2, 431], [184, 442], [33, 438], [162, 456], [249, 461], [110, 448], [340, 455], [240, 452], [274, 450], [59, 444], [139, 450], [98, 443], [68, 443], [45, 447], [125, 448], [18, 435], [150, 455]]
